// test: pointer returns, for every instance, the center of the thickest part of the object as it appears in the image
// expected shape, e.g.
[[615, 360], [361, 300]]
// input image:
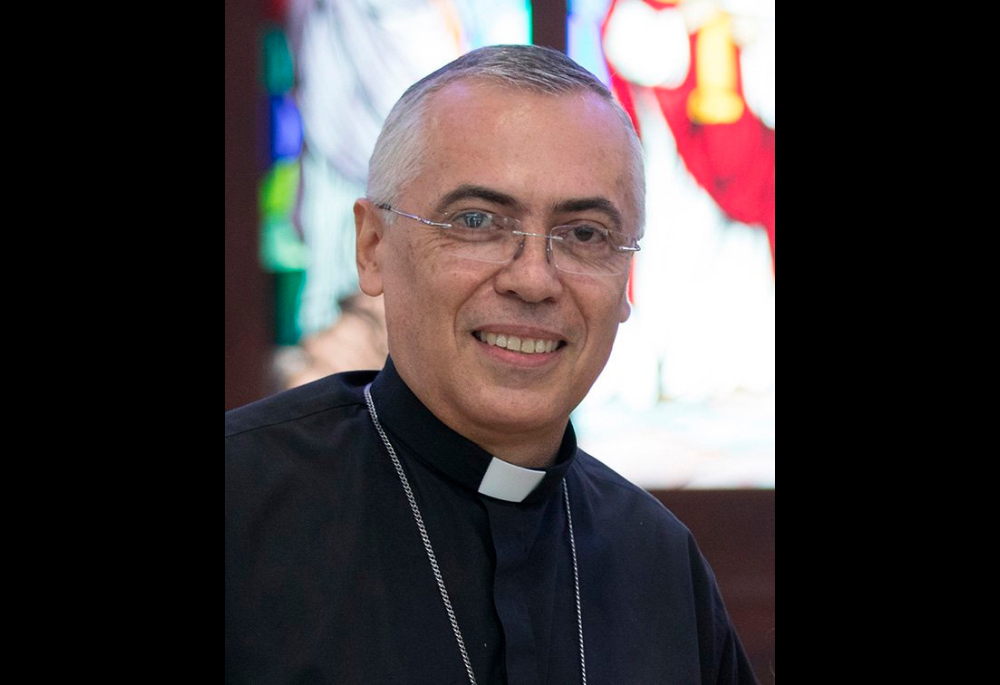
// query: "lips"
[[517, 343]]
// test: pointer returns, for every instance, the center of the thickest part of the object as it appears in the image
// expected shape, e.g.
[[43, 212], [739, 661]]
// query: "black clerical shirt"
[[328, 580]]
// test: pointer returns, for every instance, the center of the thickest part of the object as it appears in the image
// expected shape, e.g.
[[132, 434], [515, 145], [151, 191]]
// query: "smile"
[[518, 344]]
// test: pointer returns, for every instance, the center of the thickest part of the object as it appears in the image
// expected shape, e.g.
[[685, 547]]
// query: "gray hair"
[[395, 161]]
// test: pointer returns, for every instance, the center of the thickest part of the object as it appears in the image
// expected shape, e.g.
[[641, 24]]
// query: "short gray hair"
[[395, 161]]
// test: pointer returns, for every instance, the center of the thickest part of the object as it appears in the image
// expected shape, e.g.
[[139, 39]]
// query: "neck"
[[538, 453], [530, 447], [516, 438]]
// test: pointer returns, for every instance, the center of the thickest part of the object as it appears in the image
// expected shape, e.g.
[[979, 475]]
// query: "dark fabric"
[[328, 581]]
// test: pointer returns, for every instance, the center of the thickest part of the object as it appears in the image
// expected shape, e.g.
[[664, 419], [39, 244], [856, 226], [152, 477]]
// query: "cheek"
[[405, 273], [428, 293], [607, 303], [401, 300], [606, 313]]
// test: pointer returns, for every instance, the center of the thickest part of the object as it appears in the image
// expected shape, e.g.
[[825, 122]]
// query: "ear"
[[368, 229], [626, 308]]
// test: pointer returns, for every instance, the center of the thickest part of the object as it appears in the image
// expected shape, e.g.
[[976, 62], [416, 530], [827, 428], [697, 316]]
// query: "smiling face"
[[545, 160]]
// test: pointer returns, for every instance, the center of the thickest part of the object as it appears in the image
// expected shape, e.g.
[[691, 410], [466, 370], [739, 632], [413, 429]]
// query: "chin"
[[519, 411]]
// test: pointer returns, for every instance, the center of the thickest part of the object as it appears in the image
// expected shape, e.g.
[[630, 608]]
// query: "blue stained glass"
[[286, 128]]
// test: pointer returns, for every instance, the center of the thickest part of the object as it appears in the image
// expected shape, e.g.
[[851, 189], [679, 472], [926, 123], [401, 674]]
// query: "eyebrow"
[[583, 204], [474, 192], [591, 203]]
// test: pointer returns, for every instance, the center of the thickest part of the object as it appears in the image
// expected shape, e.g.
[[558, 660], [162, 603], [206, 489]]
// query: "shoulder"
[[623, 501], [289, 453], [633, 522], [650, 560], [299, 435], [325, 395]]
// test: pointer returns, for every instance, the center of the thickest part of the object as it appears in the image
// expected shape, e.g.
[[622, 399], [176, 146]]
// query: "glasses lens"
[[478, 236], [590, 250]]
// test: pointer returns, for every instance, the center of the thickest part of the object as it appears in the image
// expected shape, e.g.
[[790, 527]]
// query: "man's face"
[[541, 159]]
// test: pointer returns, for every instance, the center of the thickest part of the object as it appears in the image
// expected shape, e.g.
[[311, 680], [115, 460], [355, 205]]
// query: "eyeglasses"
[[582, 247]]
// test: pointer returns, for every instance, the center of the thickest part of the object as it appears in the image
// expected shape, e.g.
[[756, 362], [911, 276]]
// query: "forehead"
[[542, 149]]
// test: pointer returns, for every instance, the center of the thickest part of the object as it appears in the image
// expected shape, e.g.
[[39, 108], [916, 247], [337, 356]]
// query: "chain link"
[[576, 583]]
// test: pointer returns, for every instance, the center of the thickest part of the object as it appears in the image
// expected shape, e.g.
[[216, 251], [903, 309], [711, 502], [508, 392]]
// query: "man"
[[435, 522]]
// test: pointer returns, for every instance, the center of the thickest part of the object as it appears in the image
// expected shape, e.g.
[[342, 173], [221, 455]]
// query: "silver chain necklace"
[[437, 569]]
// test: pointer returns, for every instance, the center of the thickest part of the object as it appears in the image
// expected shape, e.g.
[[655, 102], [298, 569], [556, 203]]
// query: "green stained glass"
[[279, 69], [281, 248], [279, 189]]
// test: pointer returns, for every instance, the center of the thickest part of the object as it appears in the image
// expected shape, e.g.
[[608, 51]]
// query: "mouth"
[[522, 344]]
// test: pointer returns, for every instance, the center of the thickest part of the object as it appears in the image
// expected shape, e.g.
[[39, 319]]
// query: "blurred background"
[[685, 407]]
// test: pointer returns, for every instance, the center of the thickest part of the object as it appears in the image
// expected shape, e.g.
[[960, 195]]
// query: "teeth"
[[517, 344]]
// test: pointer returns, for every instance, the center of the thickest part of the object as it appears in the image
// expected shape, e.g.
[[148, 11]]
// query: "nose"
[[530, 275]]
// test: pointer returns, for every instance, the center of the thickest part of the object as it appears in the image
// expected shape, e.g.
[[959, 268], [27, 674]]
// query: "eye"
[[584, 234], [473, 220]]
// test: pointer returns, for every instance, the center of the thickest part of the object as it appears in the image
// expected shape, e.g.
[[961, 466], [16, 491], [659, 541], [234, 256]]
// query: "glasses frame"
[[627, 249]]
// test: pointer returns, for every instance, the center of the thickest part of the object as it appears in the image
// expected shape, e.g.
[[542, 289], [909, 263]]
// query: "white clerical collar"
[[508, 482]]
